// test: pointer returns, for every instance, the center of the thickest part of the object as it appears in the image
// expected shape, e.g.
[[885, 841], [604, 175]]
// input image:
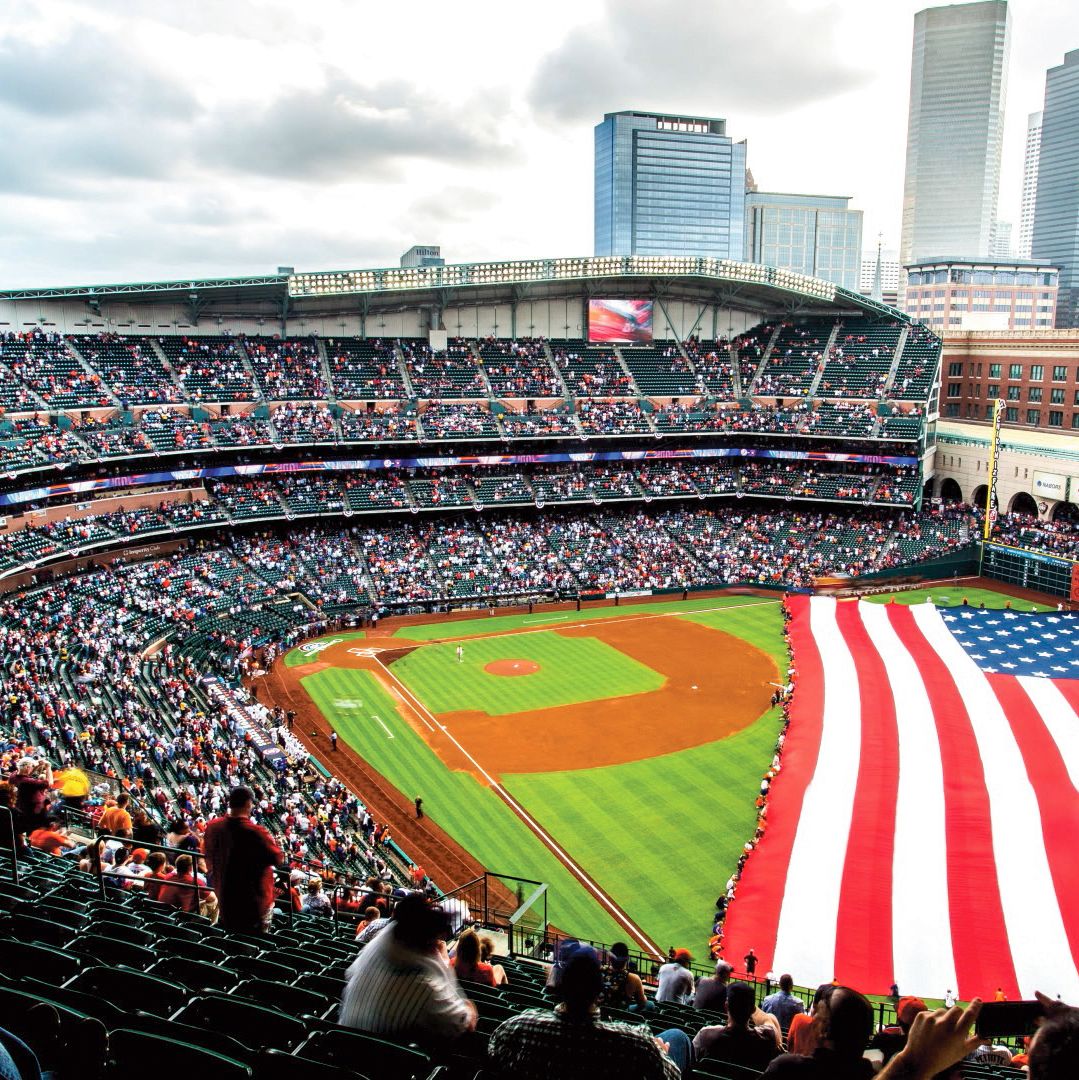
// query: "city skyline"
[[146, 144]]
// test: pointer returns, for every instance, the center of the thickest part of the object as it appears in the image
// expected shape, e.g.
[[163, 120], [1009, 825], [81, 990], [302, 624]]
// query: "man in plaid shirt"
[[572, 1041]]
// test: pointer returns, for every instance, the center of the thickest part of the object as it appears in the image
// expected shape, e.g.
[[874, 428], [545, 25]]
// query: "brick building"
[[1036, 372]]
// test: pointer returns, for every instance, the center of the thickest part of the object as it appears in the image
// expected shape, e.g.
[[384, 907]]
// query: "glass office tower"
[[1030, 183], [668, 185], [818, 235], [1056, 208], [955, 129]]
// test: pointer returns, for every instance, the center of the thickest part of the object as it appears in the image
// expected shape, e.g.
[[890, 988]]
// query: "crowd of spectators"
[[519, 369], [1057, 537], [304, 422]]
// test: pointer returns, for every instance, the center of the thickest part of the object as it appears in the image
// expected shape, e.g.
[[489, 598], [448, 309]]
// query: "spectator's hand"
[[664, 1047], [1052, 1007], [936, 1041]]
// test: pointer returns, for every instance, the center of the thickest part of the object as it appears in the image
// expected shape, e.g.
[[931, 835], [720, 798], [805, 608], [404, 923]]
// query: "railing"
[[7, 829]]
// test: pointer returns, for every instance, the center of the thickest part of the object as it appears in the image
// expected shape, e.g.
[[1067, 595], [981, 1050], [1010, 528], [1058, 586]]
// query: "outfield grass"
[[572, 670], [499, 624], [354, 703], [295, 657], [952, 596]]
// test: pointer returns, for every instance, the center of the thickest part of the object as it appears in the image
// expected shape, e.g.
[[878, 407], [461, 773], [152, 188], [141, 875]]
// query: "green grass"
[[499, 624], [297, 656], [354, 702], [952, 596], [572, 670]]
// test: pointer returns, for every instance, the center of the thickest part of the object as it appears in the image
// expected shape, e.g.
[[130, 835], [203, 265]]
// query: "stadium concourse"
[[185, 504]]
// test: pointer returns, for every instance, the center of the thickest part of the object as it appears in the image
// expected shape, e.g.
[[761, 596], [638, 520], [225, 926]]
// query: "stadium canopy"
[[751, 286]]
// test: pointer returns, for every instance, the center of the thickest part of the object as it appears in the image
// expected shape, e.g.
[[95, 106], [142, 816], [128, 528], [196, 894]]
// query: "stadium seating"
[[860, 360], [129, 366], [795, 359], [209, 368], [659, 369], [364, 370], [538, 424], [453, 373], [612, 417], [518, 369], [286, 368], [383, 425], [591, 370], [918, 365], [441, 420], [303, 422]]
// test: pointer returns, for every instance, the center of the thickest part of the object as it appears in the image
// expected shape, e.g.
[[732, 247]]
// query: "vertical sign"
[[991, 492]]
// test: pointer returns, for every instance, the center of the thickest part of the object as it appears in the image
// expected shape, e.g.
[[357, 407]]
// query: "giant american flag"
[[924, 826]]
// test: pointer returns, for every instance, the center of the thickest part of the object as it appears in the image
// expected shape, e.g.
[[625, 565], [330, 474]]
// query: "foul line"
[[381, 722], [534, 825]]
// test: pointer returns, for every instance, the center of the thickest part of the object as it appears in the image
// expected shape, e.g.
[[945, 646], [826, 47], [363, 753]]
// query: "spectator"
[[116, 821], [622, 988], [940, 1039], [892, 1038], [241, 857], [675, 979], [401, 984], [487, 952], [712, 989], [845, 1023], [178, 890], [783, 1005], [466, 961], [52, 839], [316, 902], [160, 871], [738, 1042], [572, 1042], [371, 915], [1054, 1050]]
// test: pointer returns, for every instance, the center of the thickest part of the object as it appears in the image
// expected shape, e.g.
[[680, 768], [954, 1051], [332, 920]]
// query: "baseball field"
[[615, 753]]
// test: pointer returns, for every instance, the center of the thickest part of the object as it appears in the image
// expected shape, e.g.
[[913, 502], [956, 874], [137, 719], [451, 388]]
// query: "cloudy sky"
[[149, 139]]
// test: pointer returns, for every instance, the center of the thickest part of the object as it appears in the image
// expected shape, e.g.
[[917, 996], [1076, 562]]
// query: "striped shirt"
[[393, 990]]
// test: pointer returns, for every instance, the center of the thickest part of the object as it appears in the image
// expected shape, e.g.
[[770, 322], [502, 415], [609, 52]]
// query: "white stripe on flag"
[[921, 947], [806, 935], [1039, 944], [1059, 718]]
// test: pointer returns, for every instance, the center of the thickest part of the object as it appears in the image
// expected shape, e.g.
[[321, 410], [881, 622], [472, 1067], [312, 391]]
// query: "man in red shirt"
[[240, 857]]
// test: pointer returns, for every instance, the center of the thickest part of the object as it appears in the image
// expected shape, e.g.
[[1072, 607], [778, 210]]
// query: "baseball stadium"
[[605, 600]]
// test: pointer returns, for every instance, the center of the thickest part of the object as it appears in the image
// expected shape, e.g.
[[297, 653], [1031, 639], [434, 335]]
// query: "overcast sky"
[[150, 139]]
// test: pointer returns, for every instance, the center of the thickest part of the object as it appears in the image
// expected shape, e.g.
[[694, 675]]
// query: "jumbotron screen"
[[620, 320]]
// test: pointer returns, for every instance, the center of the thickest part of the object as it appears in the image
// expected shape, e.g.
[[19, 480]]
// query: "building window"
[[1015, 371], [952, 409], [955, 389], [1034, 417], [993, 390], [1011, 414], [1075, 419], [1056, 395], [994, 371], [955, 369], [1013, 393], [1037, 372], [1060, 373], [1056, 418], [1034, 393]]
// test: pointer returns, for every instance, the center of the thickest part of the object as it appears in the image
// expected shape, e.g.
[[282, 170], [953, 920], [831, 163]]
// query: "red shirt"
[[240, 856]]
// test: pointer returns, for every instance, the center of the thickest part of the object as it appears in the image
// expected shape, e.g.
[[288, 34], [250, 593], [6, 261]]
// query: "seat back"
[[387, 1060], [172, 1059]]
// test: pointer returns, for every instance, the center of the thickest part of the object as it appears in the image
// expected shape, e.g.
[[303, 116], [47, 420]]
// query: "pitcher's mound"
[[511, 667]]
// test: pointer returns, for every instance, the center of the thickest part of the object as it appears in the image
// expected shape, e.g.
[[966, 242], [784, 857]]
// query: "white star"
[[1009, 666], [958, 632], [976, 656], [1010, 615], [992, 622], [986, 637], [1032, 641], [1057, 667], [1062, 648], [1004, 633], [997, 652], [949, 618], [990, 670], [1040, 674], [1049, 637], [1074, 663], [1052, 619], [1034, 622], [1014, 645]]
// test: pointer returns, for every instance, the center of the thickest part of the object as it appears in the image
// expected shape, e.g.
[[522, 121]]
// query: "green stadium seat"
[[131, 990], [387, 1060], [253, 1025], [172, 1059], [25, 959]]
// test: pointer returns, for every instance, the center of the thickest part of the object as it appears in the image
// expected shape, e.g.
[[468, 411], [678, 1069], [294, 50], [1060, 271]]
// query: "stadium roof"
[[723, 281]]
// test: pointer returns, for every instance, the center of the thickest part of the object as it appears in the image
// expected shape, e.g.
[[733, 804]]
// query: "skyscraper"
[[1030, 183], [955, 130], [1056, 208], [668, 185], [818, 235]]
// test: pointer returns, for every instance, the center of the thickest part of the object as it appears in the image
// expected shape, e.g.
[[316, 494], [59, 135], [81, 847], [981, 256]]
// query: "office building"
[[955, 131], [818, 235], [950, 295], [1056, 209], [1030, 184], [1002, 241], [423, 255], [668, 185]]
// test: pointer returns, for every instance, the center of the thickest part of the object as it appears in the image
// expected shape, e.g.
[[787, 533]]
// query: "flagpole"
[[991, 487]]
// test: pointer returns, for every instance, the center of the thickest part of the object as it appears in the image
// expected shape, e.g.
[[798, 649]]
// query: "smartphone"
[[1003, 1018]]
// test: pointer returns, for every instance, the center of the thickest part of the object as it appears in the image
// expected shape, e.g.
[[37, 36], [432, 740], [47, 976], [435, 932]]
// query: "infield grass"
[[572, 670], [356, 704], [297, 656]]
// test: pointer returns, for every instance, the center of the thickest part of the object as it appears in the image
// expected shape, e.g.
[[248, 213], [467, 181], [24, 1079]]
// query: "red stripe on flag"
[[983, 959], [864, 931], [753, 917], [1056, 795]]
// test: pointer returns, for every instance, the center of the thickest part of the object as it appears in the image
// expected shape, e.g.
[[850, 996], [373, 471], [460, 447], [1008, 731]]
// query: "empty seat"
[[253, 1025], [353, 1049], [131, 990], [171, 1059]]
